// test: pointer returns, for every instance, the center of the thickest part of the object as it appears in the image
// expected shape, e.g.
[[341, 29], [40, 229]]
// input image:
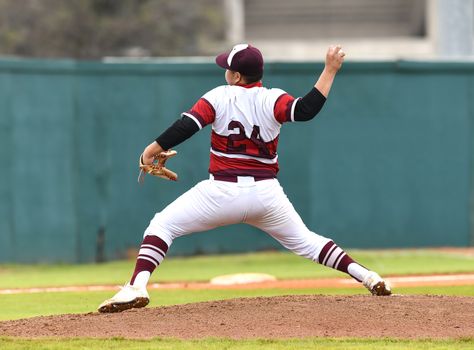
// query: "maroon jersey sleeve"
[[203, 113], [284, 108]]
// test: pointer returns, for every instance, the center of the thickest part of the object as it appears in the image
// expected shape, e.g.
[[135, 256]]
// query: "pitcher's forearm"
[[325, 81]]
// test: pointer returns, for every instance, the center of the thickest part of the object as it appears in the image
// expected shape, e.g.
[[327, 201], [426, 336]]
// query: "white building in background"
[[368, 29]]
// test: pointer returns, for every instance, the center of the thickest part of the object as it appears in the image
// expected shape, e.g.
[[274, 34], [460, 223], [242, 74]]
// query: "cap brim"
[[221, 60]]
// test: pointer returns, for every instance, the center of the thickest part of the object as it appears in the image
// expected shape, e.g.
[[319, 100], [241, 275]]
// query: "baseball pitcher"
[[246, 119]]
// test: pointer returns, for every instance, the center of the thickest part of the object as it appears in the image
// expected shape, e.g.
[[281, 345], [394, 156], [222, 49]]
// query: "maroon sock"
[[151, 254], [333, 256]]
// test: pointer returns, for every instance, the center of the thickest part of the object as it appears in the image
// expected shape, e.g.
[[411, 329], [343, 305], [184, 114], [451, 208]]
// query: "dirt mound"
[[276, 317]]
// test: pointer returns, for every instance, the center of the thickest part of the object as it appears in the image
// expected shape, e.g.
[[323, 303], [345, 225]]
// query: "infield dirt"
[[396, 316]]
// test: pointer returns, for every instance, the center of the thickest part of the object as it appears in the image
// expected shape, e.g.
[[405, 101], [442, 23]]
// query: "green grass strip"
[[220, 344], [282, 265]]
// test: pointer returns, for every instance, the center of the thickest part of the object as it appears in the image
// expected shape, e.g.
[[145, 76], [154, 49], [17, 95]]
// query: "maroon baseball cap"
[[243, 58]]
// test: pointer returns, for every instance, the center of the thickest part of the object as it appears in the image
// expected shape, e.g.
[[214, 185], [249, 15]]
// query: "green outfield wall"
[[388, 162]]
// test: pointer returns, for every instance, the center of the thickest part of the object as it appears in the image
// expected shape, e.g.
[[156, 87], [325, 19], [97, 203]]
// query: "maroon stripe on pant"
[[157, 242], [146, 265], [325, 250], [142, 265], [149, 257], [156, 250], [328, 256], [344, 264], [335, 261]]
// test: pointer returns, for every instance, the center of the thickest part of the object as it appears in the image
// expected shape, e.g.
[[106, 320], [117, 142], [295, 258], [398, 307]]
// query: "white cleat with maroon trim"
[[127, 298], [376, 284]]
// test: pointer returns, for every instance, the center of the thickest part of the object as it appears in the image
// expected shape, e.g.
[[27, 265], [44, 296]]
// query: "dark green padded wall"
[[387, 163]]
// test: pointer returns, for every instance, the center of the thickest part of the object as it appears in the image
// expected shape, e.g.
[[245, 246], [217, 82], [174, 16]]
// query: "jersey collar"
[[248, 86]]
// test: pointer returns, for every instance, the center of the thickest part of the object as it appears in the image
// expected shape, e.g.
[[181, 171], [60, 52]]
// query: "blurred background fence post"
[[455, 28]]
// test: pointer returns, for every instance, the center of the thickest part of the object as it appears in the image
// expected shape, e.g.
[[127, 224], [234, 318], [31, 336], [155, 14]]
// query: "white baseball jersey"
[[246, 123]]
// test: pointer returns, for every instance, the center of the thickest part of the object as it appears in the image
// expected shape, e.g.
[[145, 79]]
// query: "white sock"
[[141, 280], [357, 271]]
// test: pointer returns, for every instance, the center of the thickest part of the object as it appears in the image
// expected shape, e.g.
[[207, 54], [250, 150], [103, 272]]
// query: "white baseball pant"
[[262, 204]]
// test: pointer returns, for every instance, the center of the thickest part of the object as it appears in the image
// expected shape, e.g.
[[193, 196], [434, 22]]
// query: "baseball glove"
[[157, 168]]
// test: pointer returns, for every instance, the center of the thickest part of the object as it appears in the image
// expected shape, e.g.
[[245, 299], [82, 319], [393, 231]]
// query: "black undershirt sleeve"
[[180, 131], [307, 107]]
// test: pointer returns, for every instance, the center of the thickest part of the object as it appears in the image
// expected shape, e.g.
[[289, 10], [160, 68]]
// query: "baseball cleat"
[[127, 298], [376, 285]]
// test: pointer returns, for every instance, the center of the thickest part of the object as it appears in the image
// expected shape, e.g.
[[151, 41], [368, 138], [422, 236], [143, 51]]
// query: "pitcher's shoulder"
[[215, 94], [218, 90], [276, 91]]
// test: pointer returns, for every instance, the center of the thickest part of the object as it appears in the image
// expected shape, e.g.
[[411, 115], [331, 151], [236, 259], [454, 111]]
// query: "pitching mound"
[[277, 317]]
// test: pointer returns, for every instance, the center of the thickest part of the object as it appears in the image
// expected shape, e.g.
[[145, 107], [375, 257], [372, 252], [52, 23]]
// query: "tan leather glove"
[[157, 168]]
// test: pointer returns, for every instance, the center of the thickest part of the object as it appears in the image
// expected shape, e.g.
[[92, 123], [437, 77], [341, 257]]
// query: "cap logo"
[[235, 49]]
